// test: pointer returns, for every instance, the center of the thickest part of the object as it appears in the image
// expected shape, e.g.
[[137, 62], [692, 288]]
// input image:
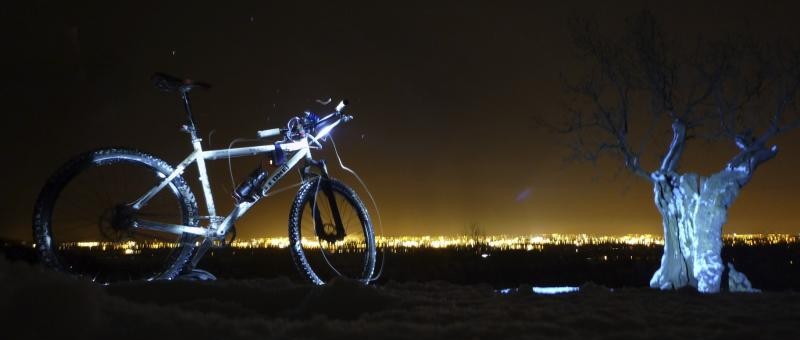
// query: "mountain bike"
[[120, 214]]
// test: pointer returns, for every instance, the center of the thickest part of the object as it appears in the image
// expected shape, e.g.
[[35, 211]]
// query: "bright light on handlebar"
[[309, 123], [326, 130]]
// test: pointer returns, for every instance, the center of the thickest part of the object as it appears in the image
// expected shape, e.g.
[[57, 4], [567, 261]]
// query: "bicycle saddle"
[[168, 83]]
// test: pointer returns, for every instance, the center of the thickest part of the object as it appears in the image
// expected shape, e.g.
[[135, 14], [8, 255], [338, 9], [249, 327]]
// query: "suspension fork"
[[327, 189]]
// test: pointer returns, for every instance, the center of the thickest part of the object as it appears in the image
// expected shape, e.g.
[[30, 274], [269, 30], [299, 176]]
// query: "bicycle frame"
[[217, 227]]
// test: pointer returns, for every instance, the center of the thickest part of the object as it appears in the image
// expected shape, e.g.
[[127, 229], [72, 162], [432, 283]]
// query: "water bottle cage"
[[248, 191]]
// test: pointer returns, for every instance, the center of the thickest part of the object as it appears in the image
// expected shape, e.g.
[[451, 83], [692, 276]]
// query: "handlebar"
[[311, 123], [268, 133]]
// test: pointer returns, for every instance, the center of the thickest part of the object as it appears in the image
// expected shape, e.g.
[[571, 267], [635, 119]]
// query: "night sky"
[[445, 95]]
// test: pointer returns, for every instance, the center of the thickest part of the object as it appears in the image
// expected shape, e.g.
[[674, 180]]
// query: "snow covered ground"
[[40, 304]]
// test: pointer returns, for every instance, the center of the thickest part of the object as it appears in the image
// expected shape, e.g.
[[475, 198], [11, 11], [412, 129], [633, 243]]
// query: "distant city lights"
[[487, 243]]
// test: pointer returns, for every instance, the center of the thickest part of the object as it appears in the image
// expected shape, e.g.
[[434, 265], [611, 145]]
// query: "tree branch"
[[746, 162], [673, 155]]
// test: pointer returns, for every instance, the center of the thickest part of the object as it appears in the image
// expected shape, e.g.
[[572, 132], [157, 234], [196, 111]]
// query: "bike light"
[[324, 131]]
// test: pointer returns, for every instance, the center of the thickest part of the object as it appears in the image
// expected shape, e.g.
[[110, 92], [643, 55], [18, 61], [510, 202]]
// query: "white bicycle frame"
[[218, 227]]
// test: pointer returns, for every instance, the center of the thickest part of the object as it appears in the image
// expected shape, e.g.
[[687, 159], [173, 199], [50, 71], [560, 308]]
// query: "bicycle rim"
[[91, 228], [329, 252]]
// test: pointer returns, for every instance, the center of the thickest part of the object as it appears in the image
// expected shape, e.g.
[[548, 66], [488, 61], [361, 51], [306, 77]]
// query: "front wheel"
[[330, 233], [83, 220]]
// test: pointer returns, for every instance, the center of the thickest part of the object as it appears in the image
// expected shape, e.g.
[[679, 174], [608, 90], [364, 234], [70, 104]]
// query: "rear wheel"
[[330, 233], [84, 218]]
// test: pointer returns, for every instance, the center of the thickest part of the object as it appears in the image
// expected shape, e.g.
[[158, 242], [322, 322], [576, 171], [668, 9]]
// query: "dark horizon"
[[445, 98]]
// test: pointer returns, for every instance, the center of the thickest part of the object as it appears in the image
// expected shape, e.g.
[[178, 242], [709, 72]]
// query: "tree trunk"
[[675, 197], [694, 209]]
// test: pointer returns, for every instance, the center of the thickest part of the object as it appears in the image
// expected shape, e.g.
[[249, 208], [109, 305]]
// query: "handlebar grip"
[[268, 133]]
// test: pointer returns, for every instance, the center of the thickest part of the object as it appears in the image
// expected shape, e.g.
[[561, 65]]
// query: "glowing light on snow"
[[542, 290], [555, 290]]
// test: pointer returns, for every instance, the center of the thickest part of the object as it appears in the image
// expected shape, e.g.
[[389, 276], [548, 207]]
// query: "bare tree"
[[475, 232], [732, 89]]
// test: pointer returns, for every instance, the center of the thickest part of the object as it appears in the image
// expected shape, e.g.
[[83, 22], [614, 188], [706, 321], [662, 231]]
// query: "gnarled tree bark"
[[694, 209], [720, 90]]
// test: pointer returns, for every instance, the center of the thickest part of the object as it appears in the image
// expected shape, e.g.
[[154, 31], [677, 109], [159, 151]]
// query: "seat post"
[[188, 107]]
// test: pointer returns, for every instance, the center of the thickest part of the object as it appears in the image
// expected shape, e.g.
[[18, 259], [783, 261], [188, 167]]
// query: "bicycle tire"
[[54, 255], [359, 260]]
